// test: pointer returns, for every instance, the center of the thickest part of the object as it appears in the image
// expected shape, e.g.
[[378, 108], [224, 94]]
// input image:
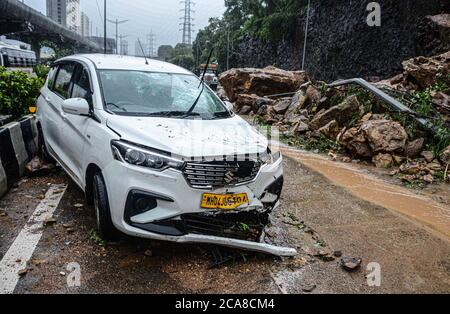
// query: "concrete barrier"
[[18, 145]]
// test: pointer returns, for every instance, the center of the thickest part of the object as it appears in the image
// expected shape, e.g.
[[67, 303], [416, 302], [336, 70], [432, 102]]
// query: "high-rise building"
[[85, 25], [65, 12], [74, 15], [57, 11]]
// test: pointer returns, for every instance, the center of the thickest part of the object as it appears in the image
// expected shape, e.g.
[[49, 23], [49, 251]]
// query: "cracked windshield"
[[223, 153]]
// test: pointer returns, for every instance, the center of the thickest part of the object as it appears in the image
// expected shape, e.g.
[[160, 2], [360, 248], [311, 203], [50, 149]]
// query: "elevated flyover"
[[19, 21]]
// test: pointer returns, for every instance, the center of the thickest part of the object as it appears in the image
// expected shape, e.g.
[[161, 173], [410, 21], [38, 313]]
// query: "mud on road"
[[316, 216]]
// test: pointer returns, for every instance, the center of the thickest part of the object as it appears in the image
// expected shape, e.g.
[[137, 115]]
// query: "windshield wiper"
[[202, 83], [169, 114], [114, 105]]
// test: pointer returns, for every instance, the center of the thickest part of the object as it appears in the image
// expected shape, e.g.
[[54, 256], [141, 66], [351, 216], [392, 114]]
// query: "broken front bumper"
[[173, 212]]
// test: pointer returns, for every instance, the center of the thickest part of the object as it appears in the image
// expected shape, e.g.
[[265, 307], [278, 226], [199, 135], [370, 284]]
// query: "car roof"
[[117, 62]]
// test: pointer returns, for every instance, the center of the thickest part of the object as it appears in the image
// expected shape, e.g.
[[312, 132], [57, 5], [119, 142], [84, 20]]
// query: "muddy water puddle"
[[367, 187]]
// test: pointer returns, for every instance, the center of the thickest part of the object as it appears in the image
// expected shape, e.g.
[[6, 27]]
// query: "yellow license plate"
[[224, 201]]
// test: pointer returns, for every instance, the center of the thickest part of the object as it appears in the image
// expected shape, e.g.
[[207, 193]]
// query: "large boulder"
[[342, 113], [425, 71], [261, 82], [384, 135], [354, 141]]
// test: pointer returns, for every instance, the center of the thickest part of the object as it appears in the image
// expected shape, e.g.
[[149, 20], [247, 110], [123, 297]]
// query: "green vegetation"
[[18, 92], [265, 19], [95, 237]]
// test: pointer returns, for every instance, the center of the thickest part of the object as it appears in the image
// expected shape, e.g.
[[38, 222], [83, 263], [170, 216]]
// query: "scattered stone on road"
[[350, 263]]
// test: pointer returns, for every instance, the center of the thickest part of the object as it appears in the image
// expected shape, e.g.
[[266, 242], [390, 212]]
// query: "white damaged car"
[[158, 153]]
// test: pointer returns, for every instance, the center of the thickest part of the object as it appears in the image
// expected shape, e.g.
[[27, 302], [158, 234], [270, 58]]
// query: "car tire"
[[43, 152], [105, 226]]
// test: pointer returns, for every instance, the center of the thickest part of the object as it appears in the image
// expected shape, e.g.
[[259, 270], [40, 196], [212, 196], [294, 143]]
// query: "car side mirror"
[[229, 105], [76, 106]]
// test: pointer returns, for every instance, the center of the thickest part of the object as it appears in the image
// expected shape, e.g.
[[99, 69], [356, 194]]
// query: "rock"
[[350, 263], [308, 287], [414, 148], [342, 113], [429, 156], [49, 222], [313, 94], [148, 253], [34, 165], [428, 178], [299, 128], [22, 272], [330, 130], [384, 135], [245, 110], [297, 103], [444, 156], [355, 142], [261, 82], [410, 168], [426, 71], [434, 166], [261, 102], [398, 160], [337, 254], [282, 105], [294, 119], [383, 161], [243, 100], [441, 101], [410, 178]]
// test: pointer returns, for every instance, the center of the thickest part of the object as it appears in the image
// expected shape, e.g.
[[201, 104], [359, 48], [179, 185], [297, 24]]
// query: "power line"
[[187, 21]]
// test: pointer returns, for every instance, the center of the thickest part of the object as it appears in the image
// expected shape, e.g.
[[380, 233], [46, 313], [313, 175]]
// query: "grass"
[[94, 236]]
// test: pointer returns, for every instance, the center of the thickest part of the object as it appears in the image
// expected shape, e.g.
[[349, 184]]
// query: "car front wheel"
[[105, 226]]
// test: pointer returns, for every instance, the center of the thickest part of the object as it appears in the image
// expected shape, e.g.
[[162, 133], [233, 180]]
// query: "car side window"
[[51, 77], [63, 81], [82, 86]]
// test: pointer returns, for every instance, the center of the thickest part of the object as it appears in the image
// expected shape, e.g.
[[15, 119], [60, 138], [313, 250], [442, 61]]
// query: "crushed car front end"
[[225, 202]]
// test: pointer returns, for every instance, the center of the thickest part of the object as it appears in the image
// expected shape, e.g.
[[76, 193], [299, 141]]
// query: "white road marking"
[[23, 246]]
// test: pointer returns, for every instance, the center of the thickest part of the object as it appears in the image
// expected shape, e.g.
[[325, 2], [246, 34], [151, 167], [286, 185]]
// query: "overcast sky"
[[161, 16]]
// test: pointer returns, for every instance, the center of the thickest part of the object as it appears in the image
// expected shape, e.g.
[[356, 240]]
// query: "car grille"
[[217, 174]]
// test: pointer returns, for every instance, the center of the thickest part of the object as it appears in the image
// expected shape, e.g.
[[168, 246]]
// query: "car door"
[[74, 127], [52, 118]]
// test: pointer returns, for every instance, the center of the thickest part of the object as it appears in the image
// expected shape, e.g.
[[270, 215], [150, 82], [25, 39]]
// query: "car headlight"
[[135, 155]]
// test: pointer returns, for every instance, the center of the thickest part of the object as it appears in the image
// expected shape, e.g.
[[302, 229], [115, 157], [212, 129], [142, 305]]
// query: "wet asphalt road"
[[315, 216]]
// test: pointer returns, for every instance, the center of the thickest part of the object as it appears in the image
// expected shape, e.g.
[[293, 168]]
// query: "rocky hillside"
[[350, 123], [342, 45]]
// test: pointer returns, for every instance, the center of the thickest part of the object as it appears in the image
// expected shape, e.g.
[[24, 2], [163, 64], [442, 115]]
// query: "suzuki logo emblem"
[[229, 176]]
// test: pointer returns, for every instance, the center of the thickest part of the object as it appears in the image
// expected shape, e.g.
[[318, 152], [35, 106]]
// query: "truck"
[[210, 75]]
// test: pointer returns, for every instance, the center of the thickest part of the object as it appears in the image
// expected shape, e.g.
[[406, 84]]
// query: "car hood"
[[190, 137]]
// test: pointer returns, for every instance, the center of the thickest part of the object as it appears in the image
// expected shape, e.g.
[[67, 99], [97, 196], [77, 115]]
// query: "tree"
[[182, 56], [165, 52]]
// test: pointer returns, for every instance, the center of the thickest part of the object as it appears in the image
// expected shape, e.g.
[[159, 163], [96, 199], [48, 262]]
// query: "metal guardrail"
[[391, 101]]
